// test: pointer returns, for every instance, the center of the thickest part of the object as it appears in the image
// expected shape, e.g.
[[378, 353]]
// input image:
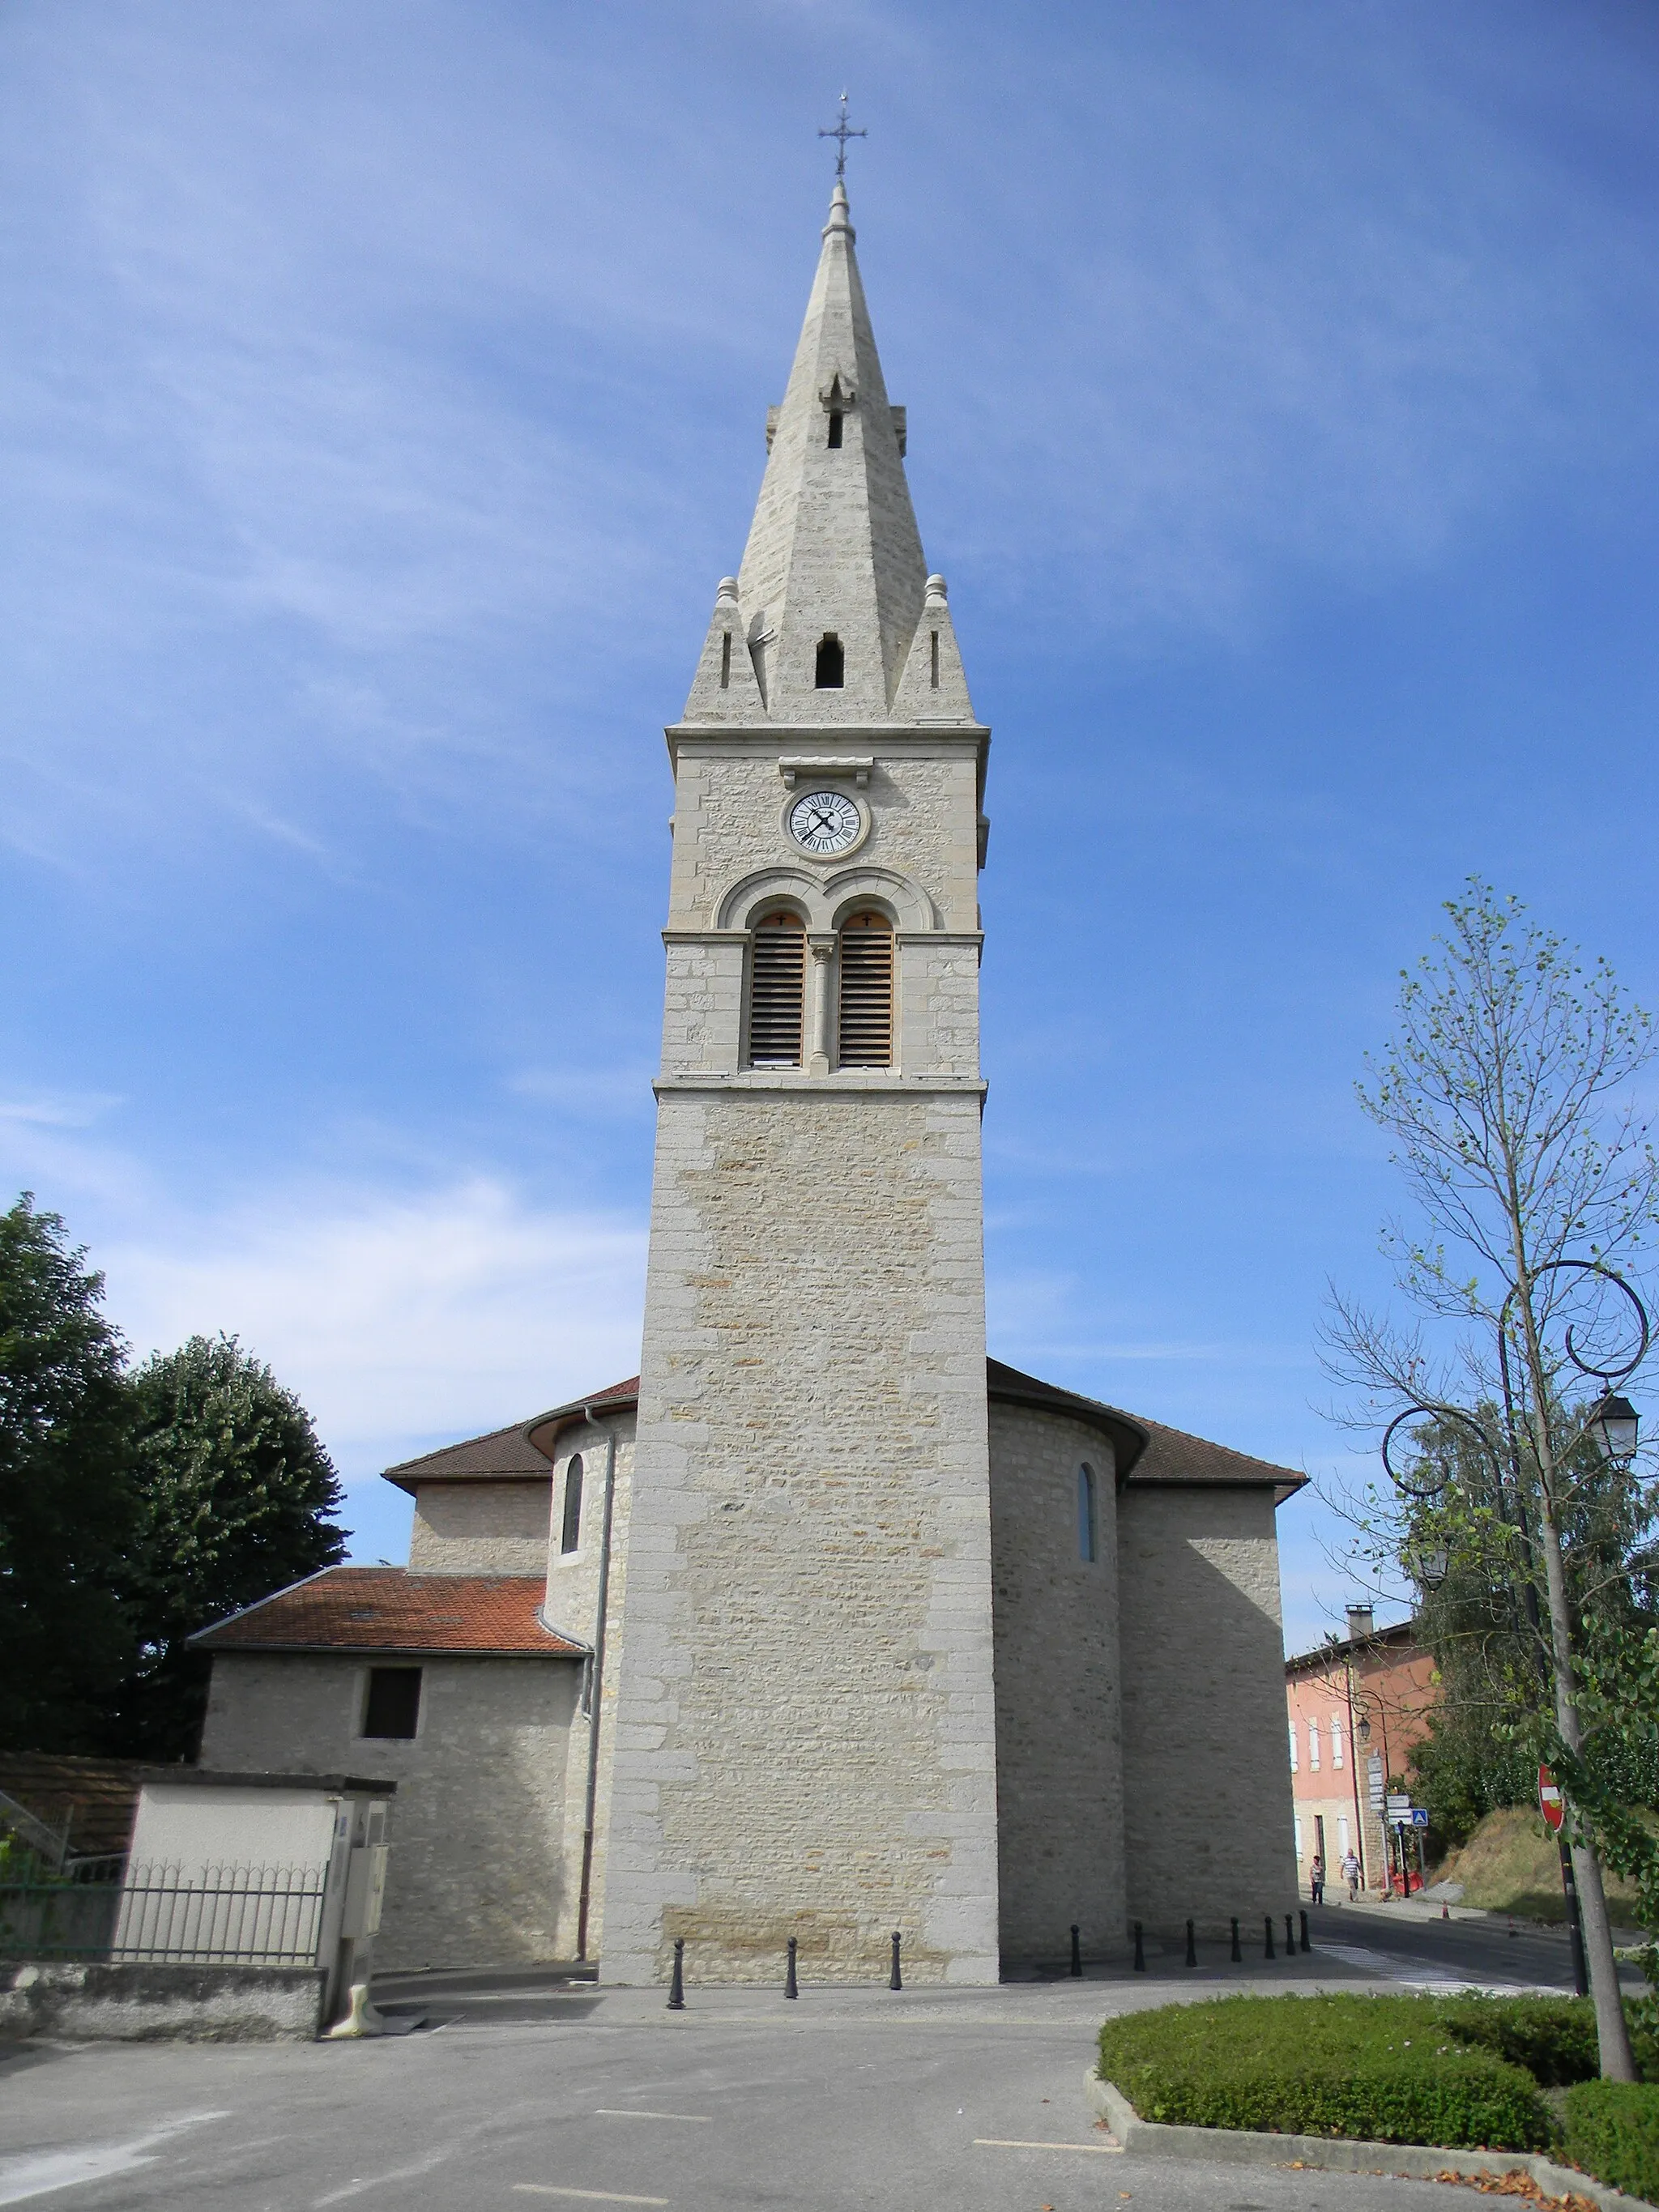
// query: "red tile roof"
[[390, 1609]]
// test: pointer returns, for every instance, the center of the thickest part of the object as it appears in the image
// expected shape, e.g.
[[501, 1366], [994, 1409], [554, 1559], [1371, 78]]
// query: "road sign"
[[1420, 1816], [1549, 1800], [1400, 1805]]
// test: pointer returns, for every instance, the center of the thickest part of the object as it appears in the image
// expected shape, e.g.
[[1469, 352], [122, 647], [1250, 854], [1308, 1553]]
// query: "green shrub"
[[1552, 2037], [1613, 2132], [1382, 2068]]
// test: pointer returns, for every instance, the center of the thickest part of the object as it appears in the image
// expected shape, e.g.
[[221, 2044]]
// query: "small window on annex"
[[570, 1533], [392, 1709], [777, 991], [1086, 1548]]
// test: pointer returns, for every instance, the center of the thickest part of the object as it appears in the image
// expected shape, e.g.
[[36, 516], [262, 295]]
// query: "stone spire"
[[834, 558]]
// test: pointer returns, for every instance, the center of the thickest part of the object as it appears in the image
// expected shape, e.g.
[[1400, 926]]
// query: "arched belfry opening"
[[777, 990], [866, 1028], [830, 673]]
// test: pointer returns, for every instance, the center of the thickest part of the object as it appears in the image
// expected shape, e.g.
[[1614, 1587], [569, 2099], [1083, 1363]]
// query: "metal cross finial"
[[842, 134]]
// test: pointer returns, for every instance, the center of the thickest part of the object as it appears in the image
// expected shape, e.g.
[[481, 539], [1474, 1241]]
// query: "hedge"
[[1613, 2132], [1382, 2068]]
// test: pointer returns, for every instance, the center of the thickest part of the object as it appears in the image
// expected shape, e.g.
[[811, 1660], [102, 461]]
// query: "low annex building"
[[823, 1628]]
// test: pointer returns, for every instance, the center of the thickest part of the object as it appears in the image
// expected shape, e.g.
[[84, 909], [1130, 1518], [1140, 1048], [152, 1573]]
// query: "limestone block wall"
[[573, 1592], [480, 1528], [1059, 1763], [1207, 1780], [730, 800], [485, 1828], [805, 1735]]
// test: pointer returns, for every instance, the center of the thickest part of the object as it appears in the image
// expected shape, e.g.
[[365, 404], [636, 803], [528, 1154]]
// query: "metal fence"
[[217, 1915]]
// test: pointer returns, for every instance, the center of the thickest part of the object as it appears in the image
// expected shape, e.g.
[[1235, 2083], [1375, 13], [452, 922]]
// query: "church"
[[825, 1625]]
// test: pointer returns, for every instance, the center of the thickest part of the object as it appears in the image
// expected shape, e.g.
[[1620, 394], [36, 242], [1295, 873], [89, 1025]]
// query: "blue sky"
[[386, 388]]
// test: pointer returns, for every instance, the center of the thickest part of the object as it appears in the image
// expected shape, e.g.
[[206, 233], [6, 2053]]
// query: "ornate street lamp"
[[1613, 1421]]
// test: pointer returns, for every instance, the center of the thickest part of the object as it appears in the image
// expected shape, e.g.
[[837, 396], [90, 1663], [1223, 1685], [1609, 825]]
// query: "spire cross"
[[842, 134]]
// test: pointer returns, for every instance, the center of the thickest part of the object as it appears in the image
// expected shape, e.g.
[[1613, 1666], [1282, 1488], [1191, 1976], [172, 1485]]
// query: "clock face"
[[824, 822]]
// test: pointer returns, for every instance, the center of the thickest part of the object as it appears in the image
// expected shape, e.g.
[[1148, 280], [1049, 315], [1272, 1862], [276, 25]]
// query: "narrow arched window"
[[777, 987], [570, 1534], [866, 992], [831, 669], [835, 419], [1087, 1546]]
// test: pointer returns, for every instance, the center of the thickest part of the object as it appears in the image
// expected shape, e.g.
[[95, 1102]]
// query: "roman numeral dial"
[[824, 822]]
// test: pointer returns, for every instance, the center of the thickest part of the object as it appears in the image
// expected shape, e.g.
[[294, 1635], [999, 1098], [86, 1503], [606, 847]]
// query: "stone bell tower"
[[803, 1717]]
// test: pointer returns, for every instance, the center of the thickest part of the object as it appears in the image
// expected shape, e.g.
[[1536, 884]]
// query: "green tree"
[[1506, 1093], [65, 1510], [235, 1497]]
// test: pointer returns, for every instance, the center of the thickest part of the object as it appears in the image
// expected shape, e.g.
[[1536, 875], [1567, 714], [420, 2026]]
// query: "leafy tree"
[[65, 1511], [235, 1497], [1506, 1089]]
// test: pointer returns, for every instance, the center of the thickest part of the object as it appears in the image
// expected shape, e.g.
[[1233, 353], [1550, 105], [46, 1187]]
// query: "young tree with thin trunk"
[[1506, 1090]]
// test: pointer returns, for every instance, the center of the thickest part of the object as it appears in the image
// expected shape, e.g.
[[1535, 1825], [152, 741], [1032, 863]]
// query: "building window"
[[1313, 1746], [570, 1534], [393, 1708], [1341, 1836], [866, 992], [777, 988], [1085, 1513], [1293, 1747], [1296, 1825], [1336, 1739], [836, 421], [831, 672]]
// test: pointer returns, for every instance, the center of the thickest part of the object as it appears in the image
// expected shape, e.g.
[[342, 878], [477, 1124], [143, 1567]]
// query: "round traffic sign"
[[1549, 1800]]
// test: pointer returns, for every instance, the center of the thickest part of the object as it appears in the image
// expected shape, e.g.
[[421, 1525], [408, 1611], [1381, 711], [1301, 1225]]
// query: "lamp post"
[[1614, 1425]]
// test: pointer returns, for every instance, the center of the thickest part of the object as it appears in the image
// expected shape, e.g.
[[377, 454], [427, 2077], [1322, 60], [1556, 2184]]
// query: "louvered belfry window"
[[777, 990], [866, 992]]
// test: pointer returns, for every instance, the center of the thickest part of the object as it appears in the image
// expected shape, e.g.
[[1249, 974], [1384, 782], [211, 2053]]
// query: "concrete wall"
[[480, 1528], [147, 2003], [187, 1825], [485, 1828], [1060, 1764], [1206, 1776]]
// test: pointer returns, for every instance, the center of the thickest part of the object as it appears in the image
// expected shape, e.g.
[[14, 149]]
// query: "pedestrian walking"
[[1316, 1879], [1350, 1872]]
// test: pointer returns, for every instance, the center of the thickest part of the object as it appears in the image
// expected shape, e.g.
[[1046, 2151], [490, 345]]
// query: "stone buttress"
[[805, 1719]]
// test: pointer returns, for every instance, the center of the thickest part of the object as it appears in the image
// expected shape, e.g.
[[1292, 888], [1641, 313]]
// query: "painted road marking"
[[38, 2176], [588, 2196], [613, 2113], [1002, 2143]]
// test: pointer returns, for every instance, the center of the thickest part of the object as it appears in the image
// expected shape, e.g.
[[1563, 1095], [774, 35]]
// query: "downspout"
[[595, 1677]]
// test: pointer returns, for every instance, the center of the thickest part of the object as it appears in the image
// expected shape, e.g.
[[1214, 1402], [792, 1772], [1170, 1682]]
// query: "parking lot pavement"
[[971, 2100]]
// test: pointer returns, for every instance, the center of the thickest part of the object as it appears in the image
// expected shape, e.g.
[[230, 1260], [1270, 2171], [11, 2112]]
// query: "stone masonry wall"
[[1060, 1765], [805, 1736], [1206, 1774], [486, 1826], [480, 1528]]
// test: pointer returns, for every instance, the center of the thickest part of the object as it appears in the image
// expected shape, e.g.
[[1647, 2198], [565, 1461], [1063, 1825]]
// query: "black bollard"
[[1306, 1945], [1267, 1924], [894, 1980], [1192, 1947], [789, 1988], [1237, 1954], [1290, 1937], [1076, 1949], [677, 1987]]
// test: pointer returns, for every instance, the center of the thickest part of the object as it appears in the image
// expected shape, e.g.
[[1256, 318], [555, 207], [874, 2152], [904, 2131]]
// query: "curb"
[[1338, 2155]]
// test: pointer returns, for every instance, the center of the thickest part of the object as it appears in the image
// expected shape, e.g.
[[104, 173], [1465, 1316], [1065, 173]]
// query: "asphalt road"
[[929, 2101]]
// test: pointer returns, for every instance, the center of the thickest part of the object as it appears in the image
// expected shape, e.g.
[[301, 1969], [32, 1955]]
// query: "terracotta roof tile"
[[390, 1609]]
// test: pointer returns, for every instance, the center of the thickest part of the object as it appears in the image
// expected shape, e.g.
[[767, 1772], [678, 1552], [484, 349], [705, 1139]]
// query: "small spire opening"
[[934, 677], [726, 663], [836, 418], [831, 671]]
